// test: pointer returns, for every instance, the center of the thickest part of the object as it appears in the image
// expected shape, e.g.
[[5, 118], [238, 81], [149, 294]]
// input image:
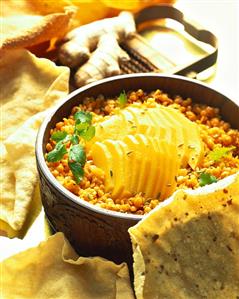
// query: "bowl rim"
[[41, 163]]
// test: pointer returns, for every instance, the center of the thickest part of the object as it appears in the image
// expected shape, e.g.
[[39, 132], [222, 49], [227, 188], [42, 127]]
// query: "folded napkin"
[[54, 270], [29, 86]]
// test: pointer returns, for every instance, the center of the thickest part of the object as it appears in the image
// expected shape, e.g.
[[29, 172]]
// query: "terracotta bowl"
[[91, 230]]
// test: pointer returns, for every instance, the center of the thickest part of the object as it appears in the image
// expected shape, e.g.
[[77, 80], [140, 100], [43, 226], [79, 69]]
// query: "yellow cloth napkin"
[[54, 270], [29, 86]]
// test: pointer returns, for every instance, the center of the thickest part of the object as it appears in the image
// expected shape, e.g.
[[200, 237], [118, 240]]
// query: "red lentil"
[[214, 131]]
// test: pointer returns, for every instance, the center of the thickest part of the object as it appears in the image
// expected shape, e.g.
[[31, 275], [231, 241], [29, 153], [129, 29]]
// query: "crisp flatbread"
[[54, 270], [188, 247], [23, 31], [29, 86], [84, 11]]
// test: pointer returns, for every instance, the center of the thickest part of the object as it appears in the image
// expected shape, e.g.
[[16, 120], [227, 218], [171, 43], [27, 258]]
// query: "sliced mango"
[[145, 167], [180, 134], [191, 136], [127, 168], [169, 165], [189, 143], [138, 164], [102, 158], [111, 128], [137, 125], [160, 172], [144, 148], [134, 158], [117, 166], [165, 129], [171, 170], [157, 169]]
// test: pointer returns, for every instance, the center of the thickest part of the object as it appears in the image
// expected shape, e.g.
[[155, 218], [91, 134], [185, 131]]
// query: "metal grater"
[[145, 58], [137, 63]]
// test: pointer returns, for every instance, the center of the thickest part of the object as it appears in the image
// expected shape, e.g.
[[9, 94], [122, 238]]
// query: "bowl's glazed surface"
[[91, 230]]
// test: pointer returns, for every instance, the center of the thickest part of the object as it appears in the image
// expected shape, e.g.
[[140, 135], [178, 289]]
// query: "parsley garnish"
[[77, 171], [74, 139], [122, 98], [77, 154], [88, 133], [80, 127], [57, 153], [76, 161], [220, 152], [83, 125], [58, 135], [83, 117], [77, 157], [206, 179]]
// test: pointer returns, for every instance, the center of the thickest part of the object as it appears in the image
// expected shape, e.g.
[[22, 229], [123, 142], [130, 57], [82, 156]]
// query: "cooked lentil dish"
[[217, 146]]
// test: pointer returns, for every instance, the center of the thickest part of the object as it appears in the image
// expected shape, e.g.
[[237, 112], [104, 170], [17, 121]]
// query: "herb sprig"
[[57, 153], [219, 152], [83, 125], [76, 161], [76, 152], [206, 179], [122, 99], [58, 135]]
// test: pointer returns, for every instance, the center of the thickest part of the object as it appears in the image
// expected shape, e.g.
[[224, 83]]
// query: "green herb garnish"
[[83, 126], [57, 153], [58, 135], [76, 161], [77, 154], [74, 139], [89, 133], [122, 98], [77, 171], [80, 127], [77, 157], [220, 152], [83, 117], [206, 179]]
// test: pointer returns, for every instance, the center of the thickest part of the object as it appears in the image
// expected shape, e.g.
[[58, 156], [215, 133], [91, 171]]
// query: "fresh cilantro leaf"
[[77, 171], [74, 139], [68, 138], [58, 135], [57, 153], [88, 134], [79, 127], [76, 162], [220, 152], [83, 117], [83, 126], [77, 154], [122, 99], [206, 179]]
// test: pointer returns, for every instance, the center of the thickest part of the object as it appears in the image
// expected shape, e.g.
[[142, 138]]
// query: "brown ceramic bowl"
[[92, 230]]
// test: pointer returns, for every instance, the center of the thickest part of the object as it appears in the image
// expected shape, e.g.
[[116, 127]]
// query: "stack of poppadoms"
[[188, 247]]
